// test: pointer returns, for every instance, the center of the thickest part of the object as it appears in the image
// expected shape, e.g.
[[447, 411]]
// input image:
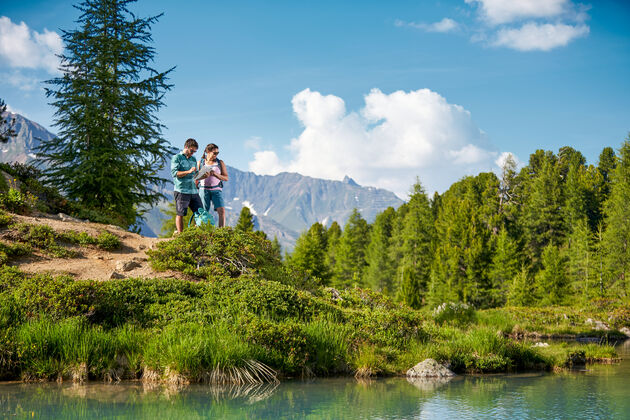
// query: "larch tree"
[[6, 124], [350, 252], [380, 271], [309, 255], [245, 221], [616, 238], [109, 149]]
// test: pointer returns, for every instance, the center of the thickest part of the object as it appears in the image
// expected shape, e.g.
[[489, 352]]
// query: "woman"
[[211, 188]]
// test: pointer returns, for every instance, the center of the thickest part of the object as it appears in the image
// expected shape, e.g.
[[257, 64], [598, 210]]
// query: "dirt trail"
[[94, 263]]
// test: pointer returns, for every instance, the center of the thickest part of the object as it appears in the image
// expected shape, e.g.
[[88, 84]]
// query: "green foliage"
[[552, 281], [6, 124], [616, 237], [309, 254], [245, 221], [503, 269], [380, 273], [521, 292], [350, 252], [109, 149], [107, 241], [13, 250], [206, 251]]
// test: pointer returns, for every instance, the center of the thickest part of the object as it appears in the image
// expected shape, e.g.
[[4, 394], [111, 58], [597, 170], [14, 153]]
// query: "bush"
[[207, 252], [5, 219], [108, 241]]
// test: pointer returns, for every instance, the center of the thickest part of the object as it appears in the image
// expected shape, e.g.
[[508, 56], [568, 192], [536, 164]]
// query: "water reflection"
[[599, 392]]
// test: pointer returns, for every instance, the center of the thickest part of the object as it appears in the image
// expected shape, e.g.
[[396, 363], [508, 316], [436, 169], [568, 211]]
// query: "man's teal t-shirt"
[[185, 184]]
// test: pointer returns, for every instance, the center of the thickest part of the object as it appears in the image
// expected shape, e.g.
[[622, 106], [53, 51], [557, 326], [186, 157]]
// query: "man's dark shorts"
[[183, 201]]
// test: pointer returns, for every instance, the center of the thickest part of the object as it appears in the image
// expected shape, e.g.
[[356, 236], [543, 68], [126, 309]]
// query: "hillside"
[[284, 205], [129, 260]]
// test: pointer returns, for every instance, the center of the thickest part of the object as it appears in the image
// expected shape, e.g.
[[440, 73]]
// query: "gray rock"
[[598, 325], [116, 275], [127, 265], [429, 368], [625, 330]]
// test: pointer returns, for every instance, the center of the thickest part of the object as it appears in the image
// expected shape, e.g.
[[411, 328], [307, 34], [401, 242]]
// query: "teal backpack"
[[202, 217]]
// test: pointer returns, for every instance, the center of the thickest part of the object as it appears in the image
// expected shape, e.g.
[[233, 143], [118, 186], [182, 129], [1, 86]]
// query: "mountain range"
[[283, 205]]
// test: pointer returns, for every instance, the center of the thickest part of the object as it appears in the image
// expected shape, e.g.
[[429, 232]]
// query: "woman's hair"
[[209, 148]]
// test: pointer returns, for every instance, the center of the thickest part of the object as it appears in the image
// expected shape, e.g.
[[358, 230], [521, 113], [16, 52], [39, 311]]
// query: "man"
[[183, 166]]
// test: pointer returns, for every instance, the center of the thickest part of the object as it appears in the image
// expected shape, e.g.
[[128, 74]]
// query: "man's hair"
[[191, 143]]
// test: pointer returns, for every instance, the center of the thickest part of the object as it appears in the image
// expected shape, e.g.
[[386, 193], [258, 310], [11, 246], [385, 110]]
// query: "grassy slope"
[[245, 313]]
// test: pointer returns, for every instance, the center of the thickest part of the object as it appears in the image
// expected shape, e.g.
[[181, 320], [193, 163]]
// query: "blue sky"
[[380, 91]]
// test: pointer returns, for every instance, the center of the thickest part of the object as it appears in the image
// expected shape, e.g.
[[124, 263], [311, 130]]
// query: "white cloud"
[[21, 81], [391, 140], [533, 36], [22, 47], [497, 12], [443, 26], [254, 143]]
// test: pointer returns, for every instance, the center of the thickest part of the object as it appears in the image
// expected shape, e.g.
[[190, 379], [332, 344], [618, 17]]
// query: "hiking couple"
[[201, 192]]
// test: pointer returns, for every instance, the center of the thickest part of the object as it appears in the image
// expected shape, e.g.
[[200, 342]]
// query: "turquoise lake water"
[[599, 392]]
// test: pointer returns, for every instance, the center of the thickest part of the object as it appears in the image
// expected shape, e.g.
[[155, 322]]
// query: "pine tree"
[[606, 167], [552, 281], [380, 272], [6, 124], [109, 149], [542, 219], [276, 248], [350, 252], [581, 259], [333, 234], [521, 291], [504, 268], [309, 255], [468, 217], [245, 221], [616, 239], [410, 288], [416, 248]]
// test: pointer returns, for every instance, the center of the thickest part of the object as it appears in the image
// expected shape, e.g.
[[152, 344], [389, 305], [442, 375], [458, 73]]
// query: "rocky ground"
[[93, 263]]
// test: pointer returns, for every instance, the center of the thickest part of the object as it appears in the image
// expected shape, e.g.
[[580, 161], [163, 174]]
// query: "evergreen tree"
[[508, 187], [309, 255], [552, 281], [411, 288], [350, 252], [381, 272], [416, 247], [581, 259], [504, 268], [6, 124], [245, 221], [333, 234], [468, 217], [542, 220], [109, 149], [521, 292], [276, 248], [616, 238], [606, 167]]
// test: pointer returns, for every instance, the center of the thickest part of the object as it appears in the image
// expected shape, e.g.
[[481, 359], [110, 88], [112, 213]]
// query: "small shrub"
[[5, 219], [13, 250], [14, 201], [108, 241]]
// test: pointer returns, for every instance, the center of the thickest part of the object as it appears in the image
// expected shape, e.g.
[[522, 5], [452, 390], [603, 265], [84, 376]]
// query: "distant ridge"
[[283, 205]]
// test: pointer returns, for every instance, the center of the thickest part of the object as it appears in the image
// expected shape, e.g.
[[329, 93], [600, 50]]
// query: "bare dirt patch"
[[130, 260]]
